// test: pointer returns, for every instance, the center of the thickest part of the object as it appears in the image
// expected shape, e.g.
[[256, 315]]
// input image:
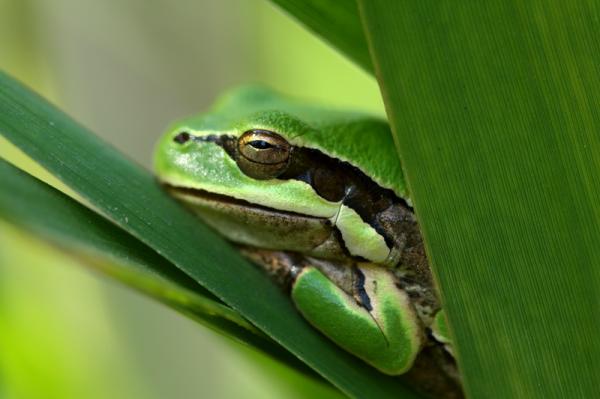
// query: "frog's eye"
[[262, 154]]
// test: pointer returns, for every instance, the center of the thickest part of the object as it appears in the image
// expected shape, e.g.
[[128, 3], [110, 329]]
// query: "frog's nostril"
[[182, 137]]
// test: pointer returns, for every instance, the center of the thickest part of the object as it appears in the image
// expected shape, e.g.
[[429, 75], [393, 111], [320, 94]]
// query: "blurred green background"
[[125, 69]]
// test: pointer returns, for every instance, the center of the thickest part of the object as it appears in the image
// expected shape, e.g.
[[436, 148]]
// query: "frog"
[[317, 197]]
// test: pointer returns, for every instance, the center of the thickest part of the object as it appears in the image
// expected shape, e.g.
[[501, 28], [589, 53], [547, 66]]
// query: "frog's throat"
[[259, 226]]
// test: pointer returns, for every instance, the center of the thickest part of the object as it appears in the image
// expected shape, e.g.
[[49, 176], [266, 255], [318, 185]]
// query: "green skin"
[[252, 205]]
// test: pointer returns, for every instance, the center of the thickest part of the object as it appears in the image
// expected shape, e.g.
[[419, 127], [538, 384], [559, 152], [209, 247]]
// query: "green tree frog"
[[317, 197]]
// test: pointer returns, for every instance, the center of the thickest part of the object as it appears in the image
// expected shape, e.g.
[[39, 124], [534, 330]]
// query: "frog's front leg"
[[377, 323]]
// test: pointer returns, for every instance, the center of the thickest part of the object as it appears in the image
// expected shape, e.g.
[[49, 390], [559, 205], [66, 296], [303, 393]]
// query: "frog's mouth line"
[[225, 199]]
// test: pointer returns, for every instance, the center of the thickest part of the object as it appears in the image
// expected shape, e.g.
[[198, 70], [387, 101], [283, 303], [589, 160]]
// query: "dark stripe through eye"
[[182, 137], [260, 144]]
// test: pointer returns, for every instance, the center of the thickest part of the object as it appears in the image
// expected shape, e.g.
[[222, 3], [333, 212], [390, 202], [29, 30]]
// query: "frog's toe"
[[440, 331], [378, 324]]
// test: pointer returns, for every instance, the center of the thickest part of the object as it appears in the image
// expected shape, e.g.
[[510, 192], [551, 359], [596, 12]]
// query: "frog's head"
[[236, 178], [254, 172]]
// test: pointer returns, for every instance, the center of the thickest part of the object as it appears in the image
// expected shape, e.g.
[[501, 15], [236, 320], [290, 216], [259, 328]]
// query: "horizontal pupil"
[[260, 144]]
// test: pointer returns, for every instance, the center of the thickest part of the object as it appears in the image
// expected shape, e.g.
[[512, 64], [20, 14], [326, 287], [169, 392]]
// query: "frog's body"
[[316, 196]]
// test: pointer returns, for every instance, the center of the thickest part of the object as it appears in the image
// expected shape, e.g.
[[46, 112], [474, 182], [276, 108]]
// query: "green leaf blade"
[[499, 101]]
